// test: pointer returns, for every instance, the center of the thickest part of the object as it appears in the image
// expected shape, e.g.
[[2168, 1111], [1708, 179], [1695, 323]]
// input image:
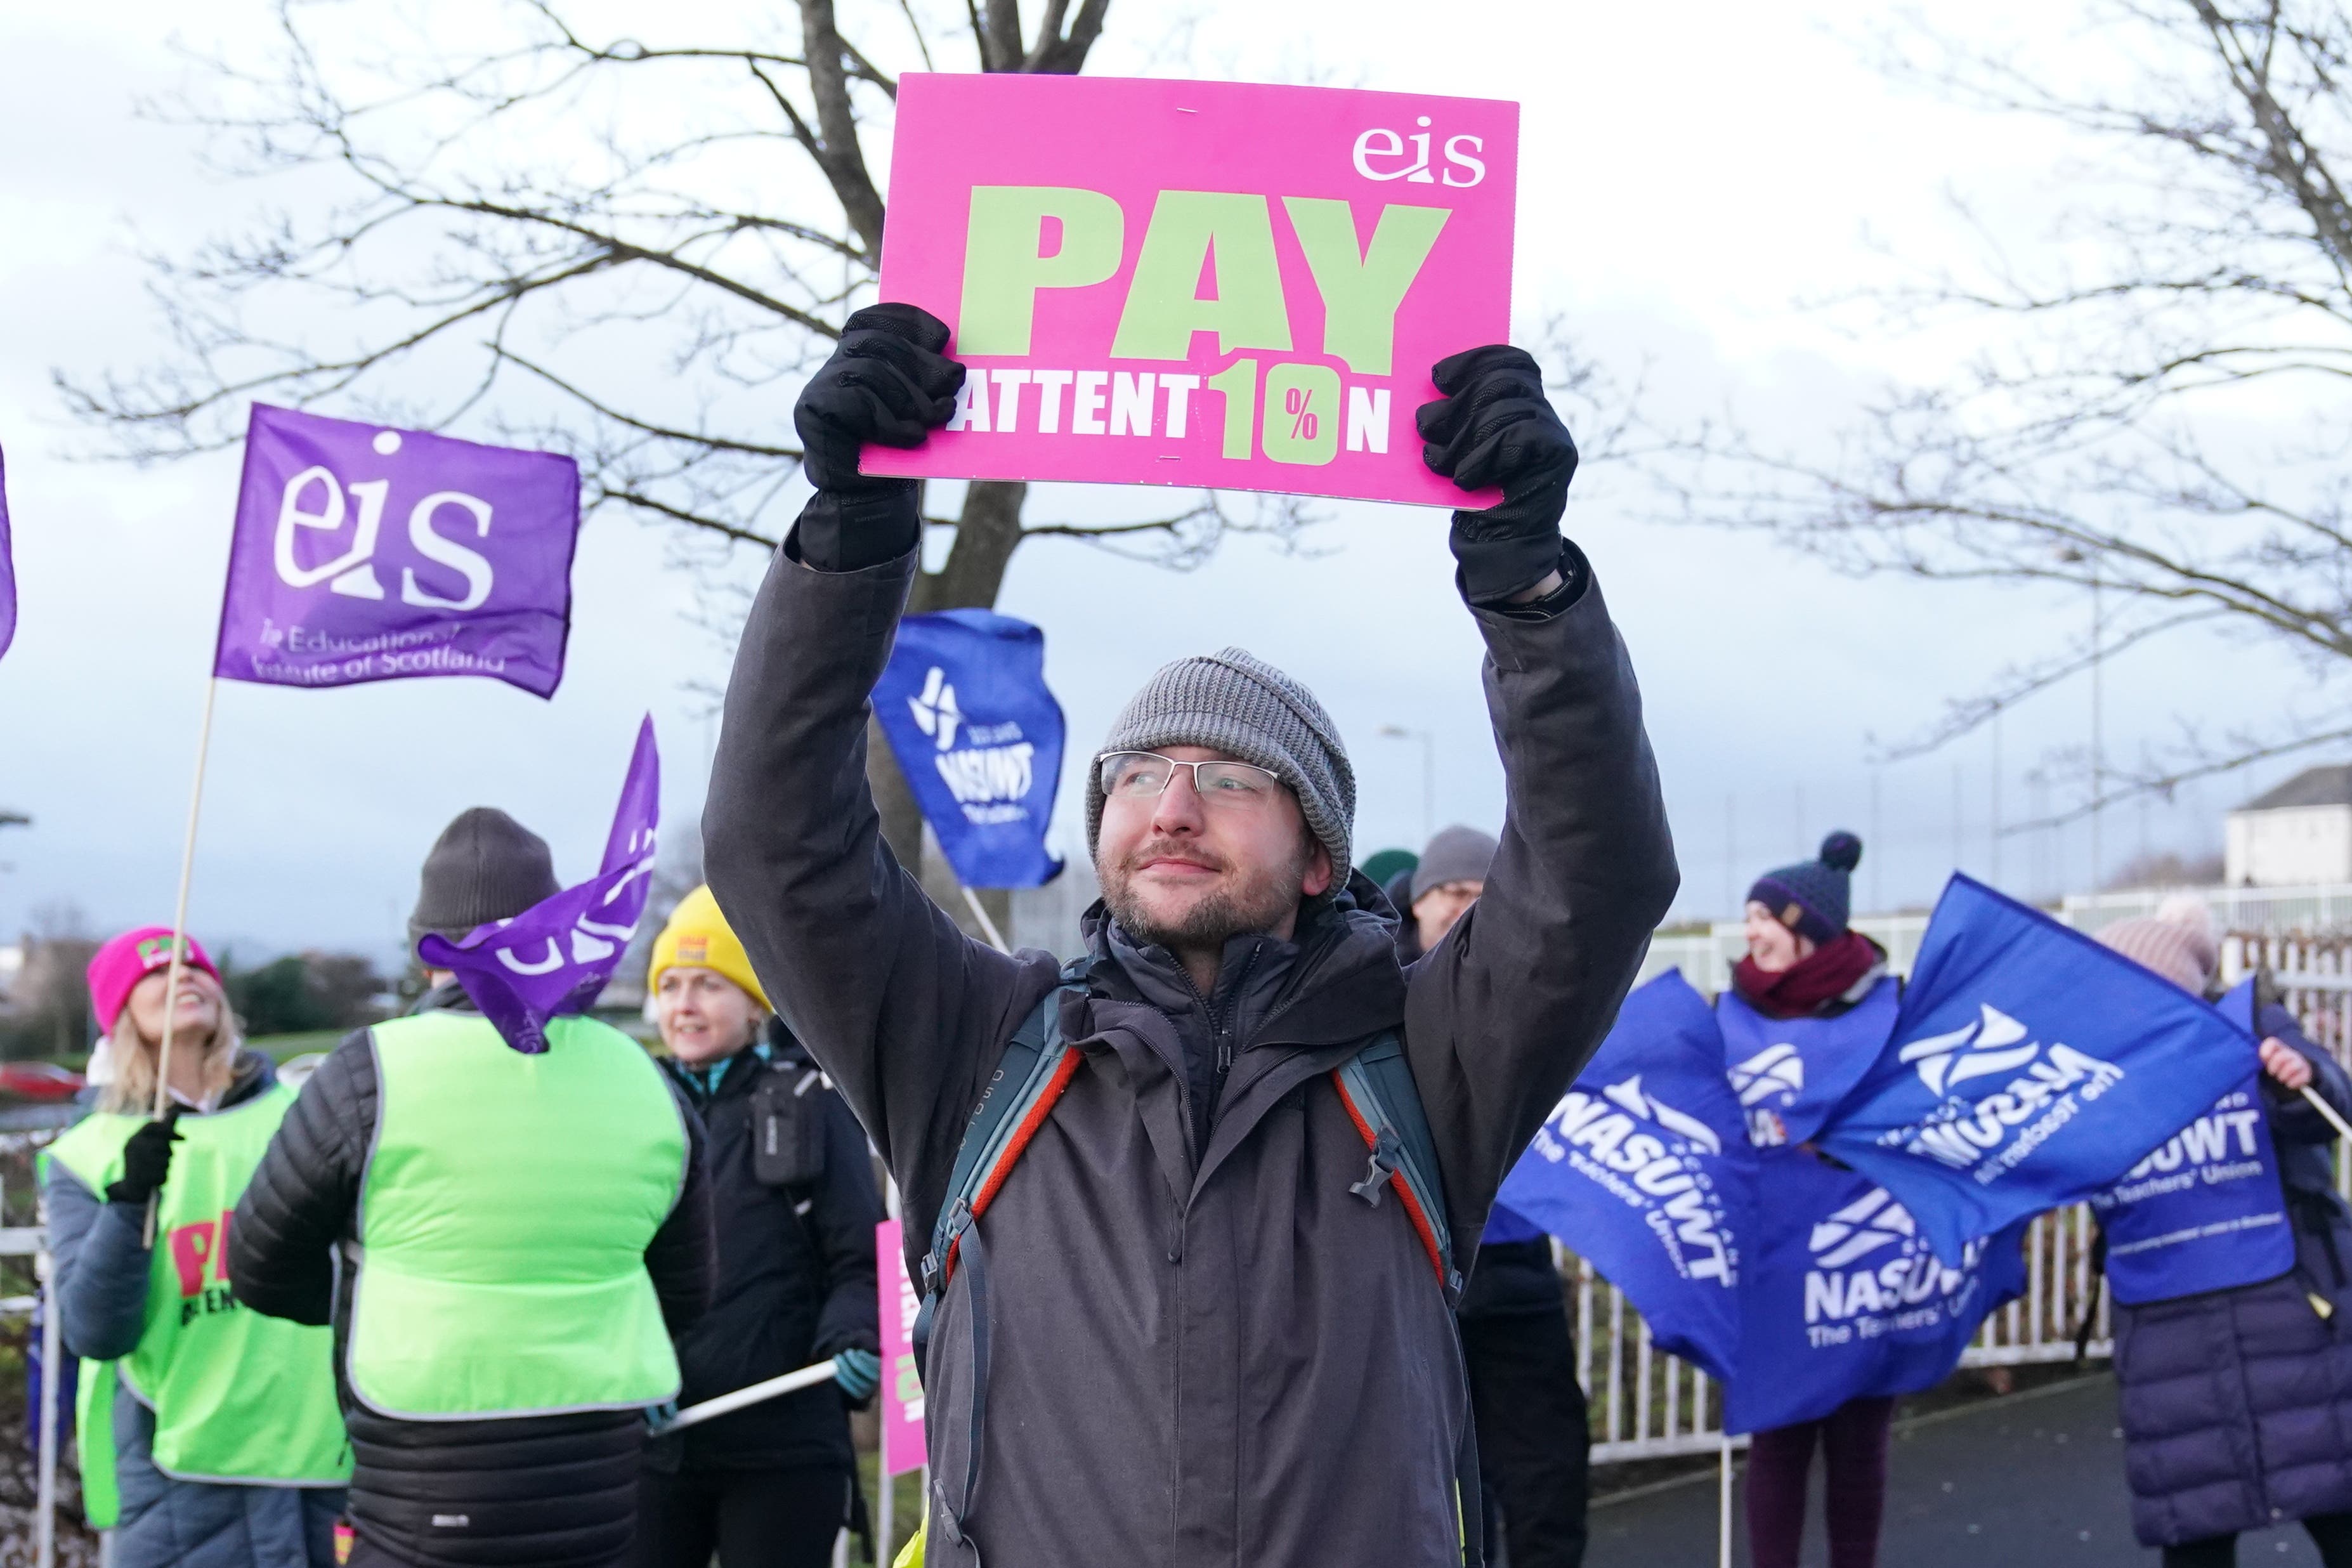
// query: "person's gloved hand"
[[1495, 427], [887, 382], [859, 1374], [147, 1161]]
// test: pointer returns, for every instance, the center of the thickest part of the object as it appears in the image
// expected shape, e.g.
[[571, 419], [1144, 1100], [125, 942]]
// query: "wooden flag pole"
[[980, 913], [180, 928], [2329, 1111]]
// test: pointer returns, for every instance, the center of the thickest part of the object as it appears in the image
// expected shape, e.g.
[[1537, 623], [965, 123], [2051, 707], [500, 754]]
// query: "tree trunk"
[[987, 535]]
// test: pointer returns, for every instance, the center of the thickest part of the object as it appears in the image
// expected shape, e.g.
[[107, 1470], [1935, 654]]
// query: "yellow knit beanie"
[[697, 937]]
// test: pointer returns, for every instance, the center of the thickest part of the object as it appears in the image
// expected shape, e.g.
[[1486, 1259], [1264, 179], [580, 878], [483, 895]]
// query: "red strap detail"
[[1063, 1071], [1397, 1183]]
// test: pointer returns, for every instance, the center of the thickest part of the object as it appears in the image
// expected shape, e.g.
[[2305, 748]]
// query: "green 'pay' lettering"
[[1002, 269], [1162, 311], [1363, 288]]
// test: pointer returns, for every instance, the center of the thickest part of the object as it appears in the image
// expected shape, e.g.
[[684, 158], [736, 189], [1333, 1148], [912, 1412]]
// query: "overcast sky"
[[1689, 176]]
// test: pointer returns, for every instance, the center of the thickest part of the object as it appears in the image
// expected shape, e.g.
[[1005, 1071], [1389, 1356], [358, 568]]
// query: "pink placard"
[[902, 1382], [1198, 283]]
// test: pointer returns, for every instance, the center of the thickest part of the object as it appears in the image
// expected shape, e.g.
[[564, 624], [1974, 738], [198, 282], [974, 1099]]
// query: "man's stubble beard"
[[1254, 901]]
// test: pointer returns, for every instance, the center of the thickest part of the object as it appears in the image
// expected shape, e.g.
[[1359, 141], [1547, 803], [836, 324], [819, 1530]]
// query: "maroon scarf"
[[1826, 974]]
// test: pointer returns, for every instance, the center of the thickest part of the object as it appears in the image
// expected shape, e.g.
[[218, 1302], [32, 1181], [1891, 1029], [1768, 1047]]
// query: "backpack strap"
[[1377, 1087]]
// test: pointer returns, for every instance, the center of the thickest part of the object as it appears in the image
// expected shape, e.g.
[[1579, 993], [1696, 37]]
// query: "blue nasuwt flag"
[[2030, 1068], [1790, 1073], [1645, 1170], [979, 738], [2205, 1210], [7, 567], [1843, 1299]]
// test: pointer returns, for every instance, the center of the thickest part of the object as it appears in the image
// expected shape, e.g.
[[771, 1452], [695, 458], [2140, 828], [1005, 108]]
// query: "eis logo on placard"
[[1775, 1073], [2040, 1089], [1383, 154], [991, 778], [318, 501], [1648, 1152], [1871, 1272]]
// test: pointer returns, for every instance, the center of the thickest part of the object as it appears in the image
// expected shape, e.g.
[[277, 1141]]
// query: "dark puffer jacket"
[[795, 1275], [545, 1491], [2237, 1405], [1204, 1347]]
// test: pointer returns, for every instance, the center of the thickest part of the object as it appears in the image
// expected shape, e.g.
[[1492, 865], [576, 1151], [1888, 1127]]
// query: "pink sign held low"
[[902, 1380], [1197, 283]]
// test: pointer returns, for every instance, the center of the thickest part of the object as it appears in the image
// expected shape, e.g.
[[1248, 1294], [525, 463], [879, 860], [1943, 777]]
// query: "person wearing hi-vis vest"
[[1192, 1213], [793, 1189], [2228, 1255], [209, 1434], [504, 1244]]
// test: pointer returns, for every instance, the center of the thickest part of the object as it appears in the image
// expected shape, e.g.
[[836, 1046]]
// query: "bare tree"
[[629, 248], [2161, 421]]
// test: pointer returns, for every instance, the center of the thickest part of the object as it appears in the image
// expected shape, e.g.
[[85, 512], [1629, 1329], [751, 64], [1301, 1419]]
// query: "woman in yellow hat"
[[794, 1196]]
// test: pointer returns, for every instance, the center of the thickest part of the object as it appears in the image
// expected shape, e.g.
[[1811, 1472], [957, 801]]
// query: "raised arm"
[[1501, 1014], [889, 994]]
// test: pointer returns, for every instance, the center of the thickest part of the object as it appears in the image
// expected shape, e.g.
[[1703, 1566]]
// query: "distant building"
[[2297, 835]]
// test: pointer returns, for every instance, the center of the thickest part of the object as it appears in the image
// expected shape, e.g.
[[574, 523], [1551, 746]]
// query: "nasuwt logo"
[[1646, 1152], [1776, 1072], [991, 778], [2223, 1145], [1868, 1261], [318, 501], [2039, 1090]]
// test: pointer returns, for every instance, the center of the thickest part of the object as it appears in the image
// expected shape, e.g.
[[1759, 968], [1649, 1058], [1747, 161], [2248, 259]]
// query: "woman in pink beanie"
[[210, 1434]]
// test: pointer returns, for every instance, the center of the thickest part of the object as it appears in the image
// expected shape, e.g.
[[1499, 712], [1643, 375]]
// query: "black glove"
[[146, 1161], [887, 383], [1495, 427]]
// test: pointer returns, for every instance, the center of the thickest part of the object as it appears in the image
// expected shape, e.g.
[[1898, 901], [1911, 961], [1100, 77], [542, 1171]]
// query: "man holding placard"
[[1190, 1214]]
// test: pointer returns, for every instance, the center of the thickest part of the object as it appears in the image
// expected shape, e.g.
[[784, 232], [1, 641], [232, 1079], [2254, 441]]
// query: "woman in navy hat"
[[1810, 1007]]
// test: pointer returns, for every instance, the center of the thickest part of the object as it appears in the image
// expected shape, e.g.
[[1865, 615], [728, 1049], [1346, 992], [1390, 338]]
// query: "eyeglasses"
[[1145, 775]]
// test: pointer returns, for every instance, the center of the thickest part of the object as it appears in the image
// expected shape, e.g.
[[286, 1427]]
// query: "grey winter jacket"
[[1212, 1355], [102, 1268]]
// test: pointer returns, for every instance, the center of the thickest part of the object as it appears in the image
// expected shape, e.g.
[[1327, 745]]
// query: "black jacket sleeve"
[[1502, 1012], [843, 1212], [302, 1198], [905, 1013], [683, 1257]]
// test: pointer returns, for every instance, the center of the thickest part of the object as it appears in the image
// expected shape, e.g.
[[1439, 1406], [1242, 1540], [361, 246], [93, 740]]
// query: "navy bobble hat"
[[1813, 898]]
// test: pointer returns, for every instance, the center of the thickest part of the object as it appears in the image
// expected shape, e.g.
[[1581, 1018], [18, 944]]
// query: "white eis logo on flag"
[[2044, 1088], [314, 502]]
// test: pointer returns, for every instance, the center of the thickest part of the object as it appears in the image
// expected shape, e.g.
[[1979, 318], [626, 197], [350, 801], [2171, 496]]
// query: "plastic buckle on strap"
[[1388, 1157], [949, 1526]]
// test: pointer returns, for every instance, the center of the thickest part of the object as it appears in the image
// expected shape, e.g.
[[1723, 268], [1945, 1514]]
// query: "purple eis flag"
[[7, 568], [369, 554], [555, 957]]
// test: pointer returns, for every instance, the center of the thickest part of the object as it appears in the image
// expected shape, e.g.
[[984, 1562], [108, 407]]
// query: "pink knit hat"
[[2177, 942], [130, 958]]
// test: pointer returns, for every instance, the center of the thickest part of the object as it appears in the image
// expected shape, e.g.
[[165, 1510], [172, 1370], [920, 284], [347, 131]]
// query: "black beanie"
[[485, 867], [1813, 898]]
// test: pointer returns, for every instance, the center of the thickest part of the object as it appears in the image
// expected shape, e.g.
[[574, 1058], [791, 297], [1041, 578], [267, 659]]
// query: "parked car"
[[39, 1081]]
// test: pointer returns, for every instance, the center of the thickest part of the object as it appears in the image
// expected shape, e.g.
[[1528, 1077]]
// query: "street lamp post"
[[1428, 773]]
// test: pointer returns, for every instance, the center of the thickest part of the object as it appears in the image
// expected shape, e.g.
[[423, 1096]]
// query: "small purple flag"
[[369, 554], [555, 957], [7, 567]]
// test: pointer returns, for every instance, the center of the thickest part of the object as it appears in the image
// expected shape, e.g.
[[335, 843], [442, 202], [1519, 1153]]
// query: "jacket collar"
[[1339, 979]]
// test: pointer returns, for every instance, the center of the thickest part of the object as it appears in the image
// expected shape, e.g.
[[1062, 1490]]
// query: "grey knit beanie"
[[1457, 854], [485, 867], [1234, 702]]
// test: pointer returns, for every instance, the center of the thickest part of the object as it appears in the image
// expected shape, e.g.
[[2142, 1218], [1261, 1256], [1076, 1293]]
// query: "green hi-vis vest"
[[238, 1396], [504, 1217]]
